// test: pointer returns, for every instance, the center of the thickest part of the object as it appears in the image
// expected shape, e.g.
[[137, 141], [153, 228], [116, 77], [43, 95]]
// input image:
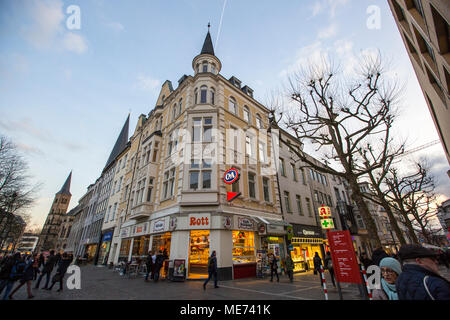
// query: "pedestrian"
[[27, 277], [420, 279], [212, 270], [159, 260], [149, 264], [390, 270], [35, 266], [317, 263], [273, 261], [47, 270], [289, 264], [10, 273], [329, 265], [366, 262], [377, 255], [63, 264]]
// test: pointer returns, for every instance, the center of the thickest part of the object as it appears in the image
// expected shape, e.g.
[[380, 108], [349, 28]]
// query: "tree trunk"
[[364, 211], [412, 234], [393, 221]]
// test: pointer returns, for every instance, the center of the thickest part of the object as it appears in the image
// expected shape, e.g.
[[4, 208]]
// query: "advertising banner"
[[179, 267], [345, 265]]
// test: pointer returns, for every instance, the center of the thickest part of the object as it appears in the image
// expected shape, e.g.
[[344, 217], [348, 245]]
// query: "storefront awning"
[[273, 222]]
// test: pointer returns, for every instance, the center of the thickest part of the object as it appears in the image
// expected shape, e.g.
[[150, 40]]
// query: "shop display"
[[244, 247], [162, 242], [198, 253]]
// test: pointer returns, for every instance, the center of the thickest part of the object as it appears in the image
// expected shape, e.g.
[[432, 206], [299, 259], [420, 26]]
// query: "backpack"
[[18, 270]]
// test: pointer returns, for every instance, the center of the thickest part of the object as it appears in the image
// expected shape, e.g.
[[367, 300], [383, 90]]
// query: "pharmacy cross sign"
[[327, 223]]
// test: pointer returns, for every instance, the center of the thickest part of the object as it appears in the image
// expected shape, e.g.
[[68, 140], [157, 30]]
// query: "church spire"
[[66, 187], [207, 45]]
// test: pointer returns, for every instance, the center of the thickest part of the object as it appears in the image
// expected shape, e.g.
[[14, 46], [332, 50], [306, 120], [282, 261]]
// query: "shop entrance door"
[[198, 254]]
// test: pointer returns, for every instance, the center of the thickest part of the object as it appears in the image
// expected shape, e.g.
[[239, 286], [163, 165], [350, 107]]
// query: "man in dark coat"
[[159, 261], [420, 279], [47, 270], [63, 264], [212, 270], [5, 275], [329, 265], [377, 255], [149, 264], [317, 263], [273, 267]]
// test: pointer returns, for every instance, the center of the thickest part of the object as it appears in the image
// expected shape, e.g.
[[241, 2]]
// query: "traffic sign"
[[324, 211], [327, 223]]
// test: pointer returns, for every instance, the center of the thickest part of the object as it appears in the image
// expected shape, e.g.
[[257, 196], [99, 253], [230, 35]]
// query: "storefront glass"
[[198, 254], [124, 249], [104, 250], [91, 249], [140, 247], [244, 247], [161, 242], [304, 251]]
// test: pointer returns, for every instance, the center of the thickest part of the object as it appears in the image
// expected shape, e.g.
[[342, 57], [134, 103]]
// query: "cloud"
[[116, 26], [47, 27], [147, 83], [29, 149], [331, 6], [74, 42], [328, 32]]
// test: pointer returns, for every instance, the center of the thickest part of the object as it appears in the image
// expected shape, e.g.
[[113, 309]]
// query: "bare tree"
[[413, 195], [344, 121]]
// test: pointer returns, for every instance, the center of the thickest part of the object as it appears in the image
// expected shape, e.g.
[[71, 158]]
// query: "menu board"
[[345, 265]]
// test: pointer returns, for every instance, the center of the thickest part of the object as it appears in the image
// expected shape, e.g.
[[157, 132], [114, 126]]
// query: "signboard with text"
[[345, 265]]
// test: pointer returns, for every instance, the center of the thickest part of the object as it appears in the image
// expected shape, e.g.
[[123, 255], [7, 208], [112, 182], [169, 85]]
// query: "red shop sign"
[[343, 254]]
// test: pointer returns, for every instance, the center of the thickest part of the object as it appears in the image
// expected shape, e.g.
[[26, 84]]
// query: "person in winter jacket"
[[317, 263], [289, 264], [329, 265], [149, 264], [377, 255], [212, 270], [47, 270], [35, 266], [420, 279], [63, 264], [26, 278], [273, 267], [159, 261], [390, 270], [8, 274]]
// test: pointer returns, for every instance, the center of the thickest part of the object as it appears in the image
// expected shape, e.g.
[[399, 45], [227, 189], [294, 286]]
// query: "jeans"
[[9, 285], [156, 274], [210, 274], [48, 273], [291, 275], [276, 273], [149, 270]]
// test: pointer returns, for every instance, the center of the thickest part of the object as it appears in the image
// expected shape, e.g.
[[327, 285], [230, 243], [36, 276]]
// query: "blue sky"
[[65, 94]]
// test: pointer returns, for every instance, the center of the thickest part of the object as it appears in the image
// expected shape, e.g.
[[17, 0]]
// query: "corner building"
[[175, 198]]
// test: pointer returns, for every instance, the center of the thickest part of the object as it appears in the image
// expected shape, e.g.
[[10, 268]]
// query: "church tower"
[[50, 231]]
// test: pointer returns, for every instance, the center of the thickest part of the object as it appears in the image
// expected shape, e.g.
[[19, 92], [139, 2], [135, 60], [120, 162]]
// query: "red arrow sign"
[[232, 195]]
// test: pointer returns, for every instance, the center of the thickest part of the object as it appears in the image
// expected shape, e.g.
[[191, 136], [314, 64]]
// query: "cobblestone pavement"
[[100, 283]]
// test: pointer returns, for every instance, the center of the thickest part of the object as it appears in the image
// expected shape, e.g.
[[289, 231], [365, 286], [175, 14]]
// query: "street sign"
[[343, 255], [327, 223], [324, 211]]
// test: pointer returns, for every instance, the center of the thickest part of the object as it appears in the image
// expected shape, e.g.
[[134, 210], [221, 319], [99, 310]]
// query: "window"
[[418, 6], [248, 146], [172, 181], [174, 112], [180, 106], [193, 180], [266, 189], [251, 185], [243, 247], [299, 204], [155, 152], [124, 161], [120, 183], [207, 129], [235, 187], [287, 202], [311, 171], [212, 95], [262, 152], [149, 189], [294, 172], [308, 206], [282, 168], [166, 184], [213, 68], [206, 179], [259, 122], [303, 176], [205, 67], [316, 196], [232, 106], [195, 96], [148, 153], [113, 217], [203, 94], [107, 213], [442, 31], [203, 171], [169, 145], [246, 114], [197, 123]]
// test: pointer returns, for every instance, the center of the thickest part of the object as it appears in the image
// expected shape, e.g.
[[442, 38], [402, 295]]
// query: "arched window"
[[259, 122], [213, 93], [180, 106], [246, 114], [203, 94], [232, 105], [174, 112]]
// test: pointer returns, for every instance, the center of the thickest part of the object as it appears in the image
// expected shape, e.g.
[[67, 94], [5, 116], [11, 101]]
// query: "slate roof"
[[66, 187], [120, 144]]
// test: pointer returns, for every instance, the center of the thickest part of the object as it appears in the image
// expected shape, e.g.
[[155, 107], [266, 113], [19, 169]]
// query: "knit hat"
[[391, 263]]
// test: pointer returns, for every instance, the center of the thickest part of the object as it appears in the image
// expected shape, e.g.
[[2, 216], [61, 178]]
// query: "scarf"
[[390, 290]]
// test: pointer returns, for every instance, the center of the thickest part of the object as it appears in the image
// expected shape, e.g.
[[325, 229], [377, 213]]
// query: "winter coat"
[[149, 261], [317, 263], [63, 264], [273, 263], [159, 261], [289, 264], [7, 268], [212, 264], [377, 256], [29, 272], [410, 284], [41, 260], [50, 264], [379, 294]]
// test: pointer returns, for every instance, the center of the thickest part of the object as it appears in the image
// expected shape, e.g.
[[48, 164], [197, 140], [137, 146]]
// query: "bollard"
[[323, 282], [365, 280]]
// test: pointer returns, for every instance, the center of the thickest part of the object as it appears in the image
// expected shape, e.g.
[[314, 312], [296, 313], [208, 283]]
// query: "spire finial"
[[209, 26]]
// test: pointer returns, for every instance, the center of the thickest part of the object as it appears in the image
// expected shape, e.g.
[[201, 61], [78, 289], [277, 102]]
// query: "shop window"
[[124, 249], [140, 247], [161, 242], [198, 253], [243, 247]]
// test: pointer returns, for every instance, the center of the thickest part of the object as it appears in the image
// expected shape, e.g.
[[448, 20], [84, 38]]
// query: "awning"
[[273, 222]]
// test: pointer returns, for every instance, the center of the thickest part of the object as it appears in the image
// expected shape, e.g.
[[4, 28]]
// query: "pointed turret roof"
[[66, 187], [121, 143], [207, 45]]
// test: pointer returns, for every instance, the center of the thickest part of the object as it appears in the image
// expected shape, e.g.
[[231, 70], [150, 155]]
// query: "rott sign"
[[199, 221]]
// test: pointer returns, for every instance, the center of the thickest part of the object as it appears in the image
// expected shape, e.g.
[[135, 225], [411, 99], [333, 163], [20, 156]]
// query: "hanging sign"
[[324, 211], [231, 176], [327, 223]]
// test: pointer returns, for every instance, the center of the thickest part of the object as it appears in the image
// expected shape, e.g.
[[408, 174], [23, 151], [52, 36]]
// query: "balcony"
[[141, 211]]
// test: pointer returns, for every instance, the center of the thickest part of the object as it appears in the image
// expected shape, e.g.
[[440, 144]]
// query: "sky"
[[67, 88]]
